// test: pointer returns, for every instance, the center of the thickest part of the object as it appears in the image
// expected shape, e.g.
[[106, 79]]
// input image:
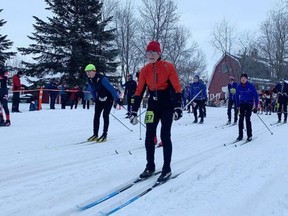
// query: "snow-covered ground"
[[43, 172]]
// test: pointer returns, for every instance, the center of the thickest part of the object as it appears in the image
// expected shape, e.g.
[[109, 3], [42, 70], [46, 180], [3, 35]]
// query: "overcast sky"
[[199, 16]]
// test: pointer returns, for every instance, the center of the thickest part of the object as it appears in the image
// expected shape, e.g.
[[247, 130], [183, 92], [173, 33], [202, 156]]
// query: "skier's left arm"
[[204, 92], [174, 79]]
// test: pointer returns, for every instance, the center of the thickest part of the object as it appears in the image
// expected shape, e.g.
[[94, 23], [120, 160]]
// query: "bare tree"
[[188, 61], [159, 18], [223, 37], [247, 48], [246, 43], [126, 27], [159, 21], [273, 42], [109, 7]]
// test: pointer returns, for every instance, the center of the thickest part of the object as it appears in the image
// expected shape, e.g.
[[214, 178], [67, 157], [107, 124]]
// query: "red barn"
[[257, 69], [227, 66]]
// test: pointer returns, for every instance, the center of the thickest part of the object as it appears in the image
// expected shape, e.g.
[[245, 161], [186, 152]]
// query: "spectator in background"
[[87, 96], [16, 88], [33, 104], [130, 88], [63, 95], [53, 92], [74, 96], [4, 94]]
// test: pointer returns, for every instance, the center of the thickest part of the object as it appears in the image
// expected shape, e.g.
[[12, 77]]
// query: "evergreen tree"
[[5, 43], [75, 36]]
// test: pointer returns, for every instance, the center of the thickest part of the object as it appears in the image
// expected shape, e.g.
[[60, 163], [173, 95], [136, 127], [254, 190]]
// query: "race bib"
[[149, 117], [232, 90]]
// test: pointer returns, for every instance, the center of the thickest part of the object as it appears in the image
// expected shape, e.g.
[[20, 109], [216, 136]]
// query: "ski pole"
[[264, 123], [140, 136], [121, 122], [192, 99]]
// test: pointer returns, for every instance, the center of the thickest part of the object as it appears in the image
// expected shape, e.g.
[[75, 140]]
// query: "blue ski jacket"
[[246, 94]]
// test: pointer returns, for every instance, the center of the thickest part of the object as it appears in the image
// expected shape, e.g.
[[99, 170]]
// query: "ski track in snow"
[[44, 172]]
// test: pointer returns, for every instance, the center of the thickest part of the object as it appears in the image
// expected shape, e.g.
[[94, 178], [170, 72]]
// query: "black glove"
[[177, 104], [119, 101], [177, 113], [255, 110], [133, 118]]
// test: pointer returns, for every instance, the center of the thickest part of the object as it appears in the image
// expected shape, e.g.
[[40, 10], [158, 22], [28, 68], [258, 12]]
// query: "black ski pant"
[[163, 111], [52, 101], [129, 98], [282, 104], [245, 112], [15, 101], [200, 106], [4, 102], [74, 102], [100, 106], [86, 102], [231, 103], [63, 101]]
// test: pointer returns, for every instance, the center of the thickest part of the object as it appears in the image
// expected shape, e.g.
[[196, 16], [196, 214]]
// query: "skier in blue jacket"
[[198, 87], [246, 101]]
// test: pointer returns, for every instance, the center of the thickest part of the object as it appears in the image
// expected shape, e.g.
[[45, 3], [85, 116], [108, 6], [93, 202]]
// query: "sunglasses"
[[151, 52]]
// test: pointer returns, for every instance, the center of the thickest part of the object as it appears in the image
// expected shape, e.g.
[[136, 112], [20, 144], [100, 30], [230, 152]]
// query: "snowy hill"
[[44, 172]]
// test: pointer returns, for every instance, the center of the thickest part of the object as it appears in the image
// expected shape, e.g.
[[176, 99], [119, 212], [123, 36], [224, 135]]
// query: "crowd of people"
[[166, 100]]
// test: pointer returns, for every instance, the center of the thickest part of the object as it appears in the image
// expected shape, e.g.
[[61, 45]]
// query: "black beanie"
[[244, 75]]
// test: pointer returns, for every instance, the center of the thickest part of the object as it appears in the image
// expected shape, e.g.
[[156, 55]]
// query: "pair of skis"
[[121, 189], [238, 143], [157, 145], [225, 125], [277, 123]]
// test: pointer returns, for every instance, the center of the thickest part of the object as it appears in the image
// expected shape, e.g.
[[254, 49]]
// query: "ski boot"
[[92, 138], [165, 175], [146, 173], [103, 138], [6, 123], [249, 139], [239, 138]]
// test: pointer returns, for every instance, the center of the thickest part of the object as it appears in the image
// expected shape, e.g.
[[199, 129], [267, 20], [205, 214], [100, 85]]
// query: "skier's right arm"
[[137, 98]]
